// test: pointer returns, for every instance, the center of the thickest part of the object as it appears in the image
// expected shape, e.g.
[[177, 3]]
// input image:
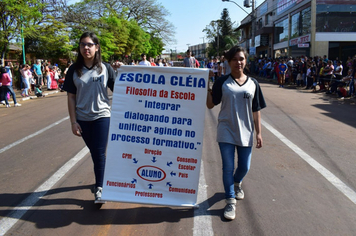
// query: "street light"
[[252, 18], [236, 5]]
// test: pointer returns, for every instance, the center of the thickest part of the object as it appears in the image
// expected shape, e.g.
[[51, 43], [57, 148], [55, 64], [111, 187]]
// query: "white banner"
[[156, 135]]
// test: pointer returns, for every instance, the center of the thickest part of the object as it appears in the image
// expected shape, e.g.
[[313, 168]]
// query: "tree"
[[221, 32], [148, 15], [12, 12]]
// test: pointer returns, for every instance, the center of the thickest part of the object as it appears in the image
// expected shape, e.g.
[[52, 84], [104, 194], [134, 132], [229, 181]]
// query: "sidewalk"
[[20, 99], [330, 97]]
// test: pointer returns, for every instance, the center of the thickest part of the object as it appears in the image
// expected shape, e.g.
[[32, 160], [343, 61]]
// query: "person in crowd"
[[165, 63], [133, 63], [38, 72], [159, 62], [227, 69], [66, 69], [341, 91], [241, 100], [321, 77], [275, 73], [189, 61], [309, 76], [144, 61], [215, 68], [152, 61], [283, 68], [342, 82], [197, 64], [328, 72], [26, 76], [290, 64], [221, 66], [9, 67], [269, 68], [38, 91], [338, 70], [88, 102], [6, 87], [53, 83], [48, 76]]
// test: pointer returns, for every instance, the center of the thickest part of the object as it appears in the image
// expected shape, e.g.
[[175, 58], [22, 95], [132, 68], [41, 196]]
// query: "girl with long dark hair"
[[86, 83]]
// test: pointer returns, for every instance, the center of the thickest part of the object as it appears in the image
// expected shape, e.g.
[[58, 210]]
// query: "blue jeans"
[[27, 86], [9, 89], [352, 86], [95, 135], [48, 82], [227, 151]]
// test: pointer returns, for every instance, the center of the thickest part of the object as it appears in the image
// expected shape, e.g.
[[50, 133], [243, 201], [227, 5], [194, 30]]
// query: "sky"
[[190, 17]]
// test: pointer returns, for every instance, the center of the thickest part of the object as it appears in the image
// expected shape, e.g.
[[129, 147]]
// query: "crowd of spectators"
[[316, 73], [31, 79]]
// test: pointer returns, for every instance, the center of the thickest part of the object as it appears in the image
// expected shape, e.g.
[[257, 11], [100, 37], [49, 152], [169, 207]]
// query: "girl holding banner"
[[241, 101], [86, 83]]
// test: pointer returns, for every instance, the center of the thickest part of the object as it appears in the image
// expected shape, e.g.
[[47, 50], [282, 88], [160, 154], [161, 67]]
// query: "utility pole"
[[253, 27], [23, 42], [217, 35]]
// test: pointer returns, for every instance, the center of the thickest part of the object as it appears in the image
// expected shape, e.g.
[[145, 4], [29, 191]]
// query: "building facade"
[[199, 51], [301, 27]]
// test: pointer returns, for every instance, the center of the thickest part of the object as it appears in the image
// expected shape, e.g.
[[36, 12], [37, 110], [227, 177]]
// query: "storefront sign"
[[156, 136], [303, 45], [263, 9], [284, 5], [252, 51], [258, 41], [264, 40], [300, 40]]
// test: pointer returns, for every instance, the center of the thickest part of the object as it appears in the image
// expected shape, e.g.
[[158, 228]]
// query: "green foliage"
[[221, 34], [51, 28]]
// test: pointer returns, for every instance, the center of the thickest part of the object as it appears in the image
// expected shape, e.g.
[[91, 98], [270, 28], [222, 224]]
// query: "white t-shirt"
[[144, 63], [238, 102], [338, 68], [222, 68]]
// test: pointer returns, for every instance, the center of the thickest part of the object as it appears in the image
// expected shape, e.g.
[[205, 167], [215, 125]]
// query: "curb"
[[32, 97]]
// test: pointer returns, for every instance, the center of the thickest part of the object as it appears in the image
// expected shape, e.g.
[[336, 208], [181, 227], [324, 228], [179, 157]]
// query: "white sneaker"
[[18, 105], [97, 194], [230, 208], [239, 193], [8, 106], [3, 102]]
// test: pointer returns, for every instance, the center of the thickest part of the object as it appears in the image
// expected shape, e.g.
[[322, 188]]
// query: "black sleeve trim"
[[111, 76], [68, 82], [217, 89], [258, 101]]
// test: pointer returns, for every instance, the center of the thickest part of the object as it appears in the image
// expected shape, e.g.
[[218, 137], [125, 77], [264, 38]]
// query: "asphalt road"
[[302, 182]]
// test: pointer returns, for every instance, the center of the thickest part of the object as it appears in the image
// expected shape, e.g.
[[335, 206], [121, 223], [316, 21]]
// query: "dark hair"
[[232, 52], [143, 54], [3, 70], [97, 57]]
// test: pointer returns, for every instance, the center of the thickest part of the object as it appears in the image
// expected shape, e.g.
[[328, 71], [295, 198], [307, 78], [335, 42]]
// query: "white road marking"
[[32, 135], [202, 220], [341, 186], [10, 220]]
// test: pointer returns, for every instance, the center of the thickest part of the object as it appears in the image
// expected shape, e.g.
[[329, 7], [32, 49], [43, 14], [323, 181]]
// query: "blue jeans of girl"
[[95, 135], [227, 151], [9, 89]]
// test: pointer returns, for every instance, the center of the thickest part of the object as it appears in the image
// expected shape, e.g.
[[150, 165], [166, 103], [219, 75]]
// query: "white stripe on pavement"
[[202, 220], [32, 135], [7, 222], [347, 191]]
